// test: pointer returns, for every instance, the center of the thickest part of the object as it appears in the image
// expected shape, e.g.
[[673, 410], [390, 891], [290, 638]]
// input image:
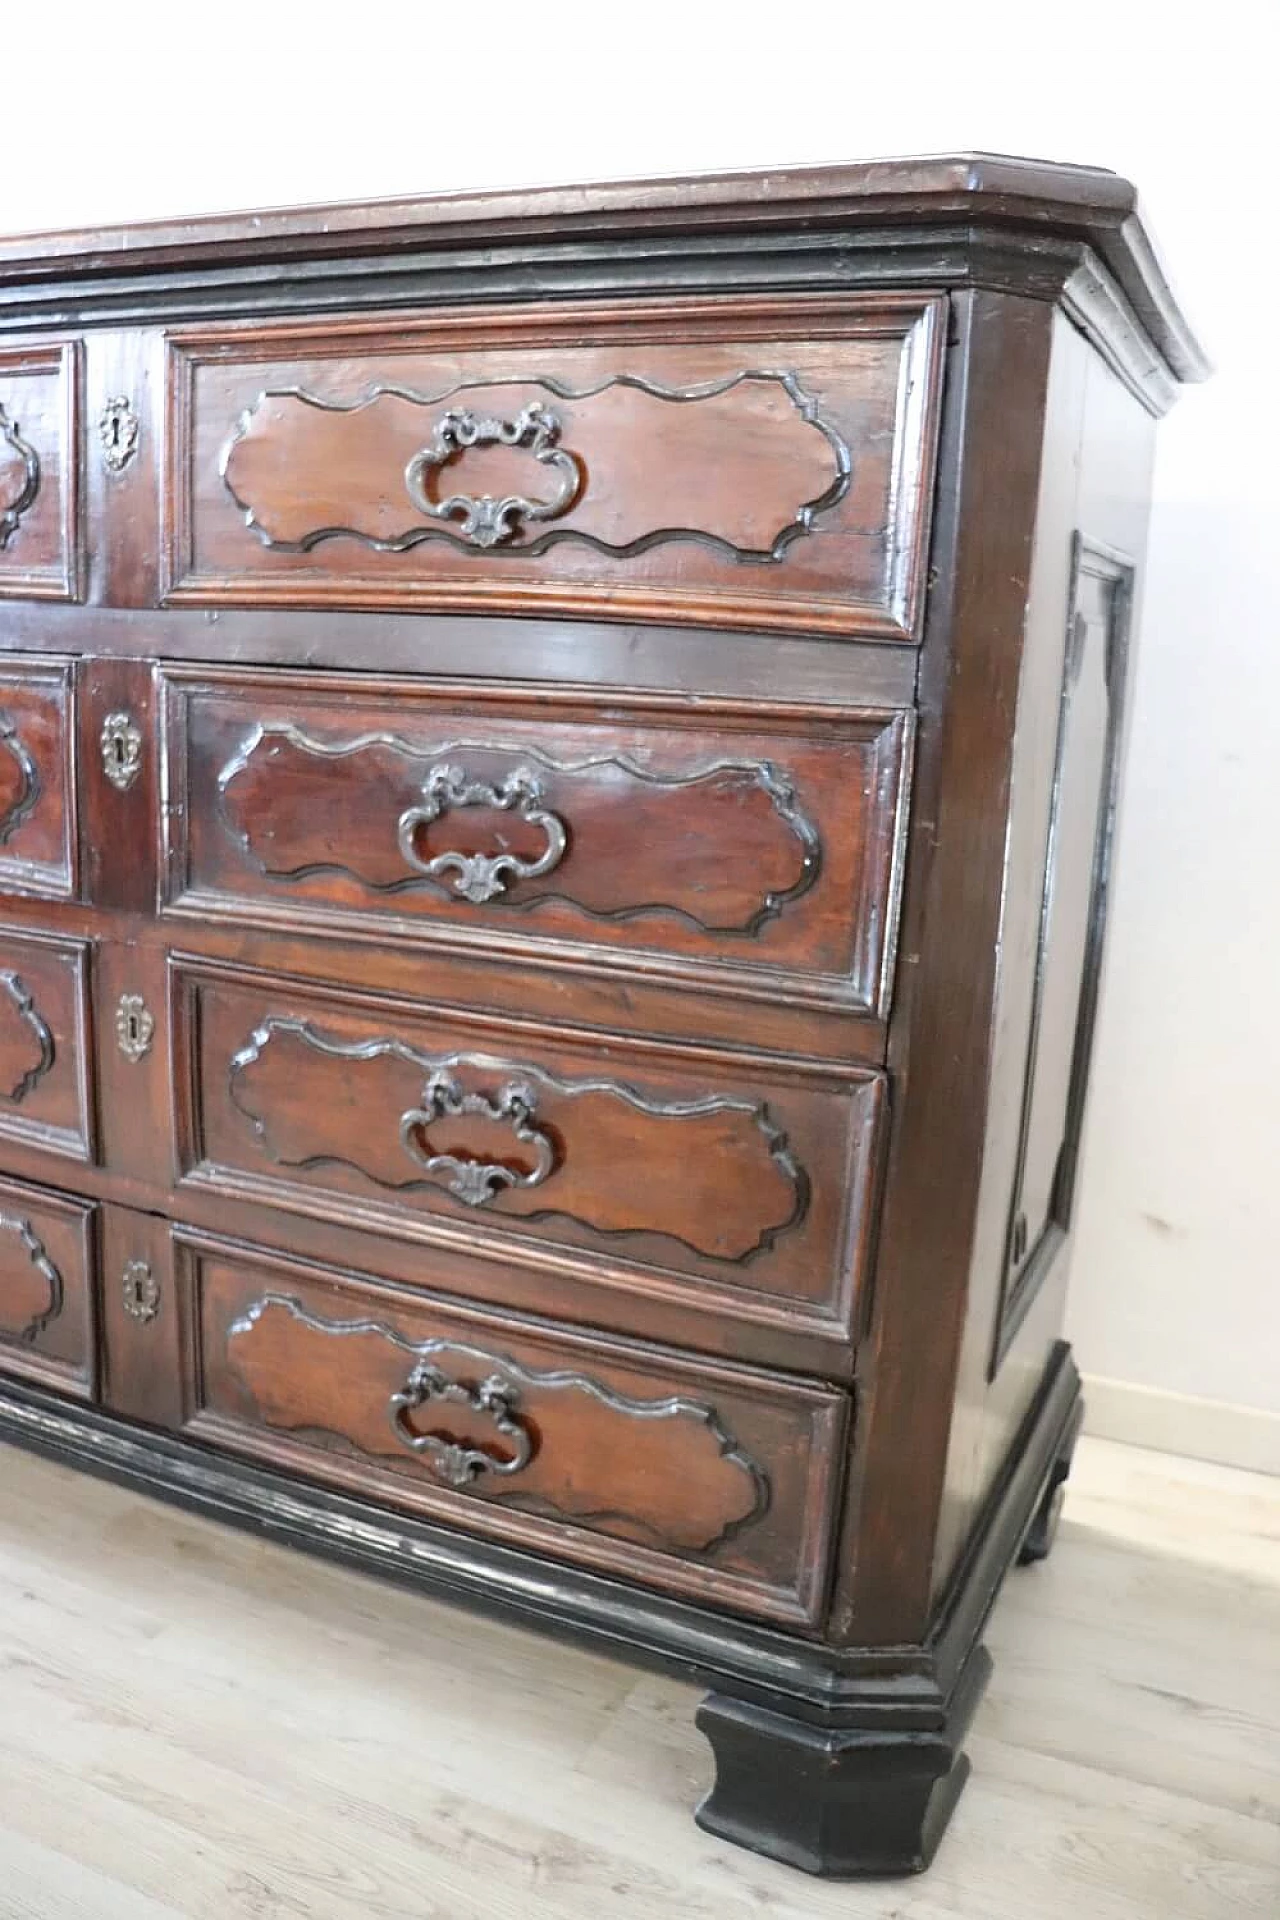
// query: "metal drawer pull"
[[482, 876], [486, 520], [121, 743], [21, 492], [453, 1462], [477, 1183]]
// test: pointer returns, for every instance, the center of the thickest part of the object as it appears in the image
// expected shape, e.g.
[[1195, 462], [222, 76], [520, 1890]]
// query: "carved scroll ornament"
[[706, 890], [282, 1082], [355, 452], [556, 1433], [34, 1248], [36, 1033]]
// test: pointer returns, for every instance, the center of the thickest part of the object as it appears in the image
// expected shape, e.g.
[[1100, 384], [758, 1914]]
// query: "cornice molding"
[[972, 219]]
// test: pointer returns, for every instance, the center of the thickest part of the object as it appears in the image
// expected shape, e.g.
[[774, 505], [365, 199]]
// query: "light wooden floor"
[[194, 1723]]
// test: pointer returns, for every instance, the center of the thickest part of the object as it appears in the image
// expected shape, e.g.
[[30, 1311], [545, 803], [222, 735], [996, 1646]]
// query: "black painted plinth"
[[1037, 1542], [845, 1803]]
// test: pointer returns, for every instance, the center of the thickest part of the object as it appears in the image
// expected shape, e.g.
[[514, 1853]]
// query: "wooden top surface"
[[1081, 203]]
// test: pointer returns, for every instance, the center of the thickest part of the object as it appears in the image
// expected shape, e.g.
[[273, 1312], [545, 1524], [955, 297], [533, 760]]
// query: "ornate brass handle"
[[477, 1183], [481, 876], [486, 520], [12, 510], [454, 1462]]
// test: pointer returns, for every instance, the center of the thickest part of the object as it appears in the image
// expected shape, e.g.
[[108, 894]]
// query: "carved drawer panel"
[[47, 1324], [748, 463], [711, 849], [39, 472], [45, 1096], [672, 1171], [37, 778], [708, 1479]]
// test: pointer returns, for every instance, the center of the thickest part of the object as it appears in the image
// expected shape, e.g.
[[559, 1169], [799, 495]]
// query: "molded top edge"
[[1088, 204]]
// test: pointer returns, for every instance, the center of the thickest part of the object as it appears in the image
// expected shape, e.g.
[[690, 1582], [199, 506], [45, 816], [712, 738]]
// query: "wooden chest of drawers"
[[558, 755]]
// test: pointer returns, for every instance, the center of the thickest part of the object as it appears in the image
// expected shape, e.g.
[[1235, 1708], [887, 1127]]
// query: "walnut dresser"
[[558, 753]]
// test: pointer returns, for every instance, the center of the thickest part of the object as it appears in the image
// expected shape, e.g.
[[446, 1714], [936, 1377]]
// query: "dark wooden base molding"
[[1037, 1542], [843, 1803]]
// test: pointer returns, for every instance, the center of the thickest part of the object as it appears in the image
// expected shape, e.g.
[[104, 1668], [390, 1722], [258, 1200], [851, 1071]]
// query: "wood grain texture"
[[738, 463], [46, 1066], [38, 825], [692, 847], [649, 1164], [712, 1481], [48, 1280], [940, 1043], [40, 525], [166, 1753], [1095, 476], [621, 655]]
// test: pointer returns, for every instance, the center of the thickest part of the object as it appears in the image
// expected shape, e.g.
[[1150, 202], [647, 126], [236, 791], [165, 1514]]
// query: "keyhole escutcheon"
[[135, 1026], [121, 751], [118, 431]]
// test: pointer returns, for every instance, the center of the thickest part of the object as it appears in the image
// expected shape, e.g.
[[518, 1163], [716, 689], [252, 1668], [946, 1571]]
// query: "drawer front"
[[719, 852], [706, 1479], [45, 1098], [37, 781], [39, 472], [671, 1171], [748, 463], [47, 1308]]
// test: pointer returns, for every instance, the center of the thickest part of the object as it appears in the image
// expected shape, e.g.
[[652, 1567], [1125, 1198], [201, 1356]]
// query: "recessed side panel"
[[1072, 927]]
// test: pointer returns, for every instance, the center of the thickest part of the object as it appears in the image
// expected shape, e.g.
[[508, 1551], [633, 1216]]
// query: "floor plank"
[[195, 1723]]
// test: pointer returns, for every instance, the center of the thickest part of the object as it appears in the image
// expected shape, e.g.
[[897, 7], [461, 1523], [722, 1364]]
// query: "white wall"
[[143, 110]]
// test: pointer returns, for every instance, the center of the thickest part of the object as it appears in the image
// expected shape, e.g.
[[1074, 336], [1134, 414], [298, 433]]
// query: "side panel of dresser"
[[943, 1395], [1067, 754]]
